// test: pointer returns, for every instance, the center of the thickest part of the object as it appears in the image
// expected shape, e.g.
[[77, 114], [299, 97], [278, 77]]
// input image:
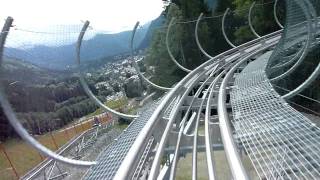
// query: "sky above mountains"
[[58, 22], [108, 15]]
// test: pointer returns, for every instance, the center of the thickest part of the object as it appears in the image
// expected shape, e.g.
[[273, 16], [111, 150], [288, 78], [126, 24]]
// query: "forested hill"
[[181, 36], [43, 99]]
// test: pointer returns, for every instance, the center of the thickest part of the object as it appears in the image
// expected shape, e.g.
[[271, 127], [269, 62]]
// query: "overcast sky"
[[108, 15]]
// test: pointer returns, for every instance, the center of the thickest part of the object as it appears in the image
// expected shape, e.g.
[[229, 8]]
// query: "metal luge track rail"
[[157, 123], [146, 130], [174, 124], [73, 144], [231, 98], [182, 127], [110, 159]]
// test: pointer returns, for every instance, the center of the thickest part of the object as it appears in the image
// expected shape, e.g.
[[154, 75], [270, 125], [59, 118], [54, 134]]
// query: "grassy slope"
[[184, 170]]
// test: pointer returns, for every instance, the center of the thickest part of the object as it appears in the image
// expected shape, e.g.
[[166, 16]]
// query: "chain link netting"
[[294, 65]]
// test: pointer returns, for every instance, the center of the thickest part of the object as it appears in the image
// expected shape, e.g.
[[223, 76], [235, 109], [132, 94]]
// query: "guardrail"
[[127, 167], [44, 164], [223, 66], [74, 142]]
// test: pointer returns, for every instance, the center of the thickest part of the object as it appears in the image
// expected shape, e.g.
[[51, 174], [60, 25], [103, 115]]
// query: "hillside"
[[40, 95]]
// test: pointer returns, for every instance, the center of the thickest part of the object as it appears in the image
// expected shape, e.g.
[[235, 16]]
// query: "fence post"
[[66, 132], [54, 141], [8, 158], [3, 36], [74, 127], [81, 124], [41, 157]]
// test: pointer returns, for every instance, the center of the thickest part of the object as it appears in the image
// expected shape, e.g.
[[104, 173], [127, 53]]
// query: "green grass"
[[116, 104], [222, 170], [113, 104], [184, 168], [132, 110], [121, 126], [22, 156]]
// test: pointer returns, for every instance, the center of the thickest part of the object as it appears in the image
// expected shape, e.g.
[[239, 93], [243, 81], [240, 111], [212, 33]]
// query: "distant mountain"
[[14, 70], [62, 57], [103, 45], [45, 56]]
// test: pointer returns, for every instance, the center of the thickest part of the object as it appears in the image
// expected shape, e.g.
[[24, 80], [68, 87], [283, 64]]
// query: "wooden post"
[[10, 162], [54, 141], [41, 157], [74, 127], [66, 132], [81, 124]]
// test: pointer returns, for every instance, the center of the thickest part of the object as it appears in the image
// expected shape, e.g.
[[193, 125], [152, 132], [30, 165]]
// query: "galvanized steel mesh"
[[294, 65], [281, 142]]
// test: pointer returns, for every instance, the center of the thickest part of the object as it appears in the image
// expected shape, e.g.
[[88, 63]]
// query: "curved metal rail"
[[210, 163], [222, 65], [135, 65], [131, 158], [85, 85], [278, 139], [233, 156], [250, 21], [154, 171], [292, 60], [168, 48], [275, 14], [312, 26], [197, 37], [191, 79], [187, 83], [305, 84], [195, 136], [223, 30], [182, 126], [307, 45], [16, 123]]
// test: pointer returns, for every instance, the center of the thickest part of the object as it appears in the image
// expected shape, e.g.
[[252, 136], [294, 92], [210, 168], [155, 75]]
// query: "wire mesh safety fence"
[[281, 142], [40, 80], [40, 72], [294, 65], [18, 157]]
